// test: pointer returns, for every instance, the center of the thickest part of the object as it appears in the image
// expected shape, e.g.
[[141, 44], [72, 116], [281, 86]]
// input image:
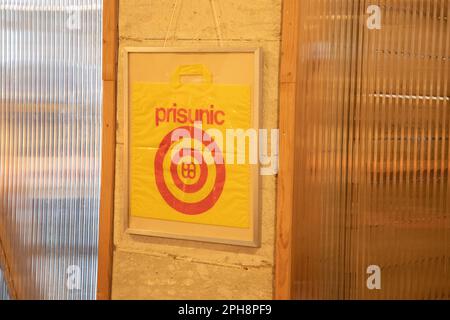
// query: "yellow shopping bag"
[[178, 168]]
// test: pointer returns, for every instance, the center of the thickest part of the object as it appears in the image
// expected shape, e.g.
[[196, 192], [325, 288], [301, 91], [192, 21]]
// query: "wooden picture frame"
[[249, 237]]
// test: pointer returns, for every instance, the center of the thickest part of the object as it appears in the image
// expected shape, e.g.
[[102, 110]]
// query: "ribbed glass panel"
[[3, 289], [50, 145], [372, 150]]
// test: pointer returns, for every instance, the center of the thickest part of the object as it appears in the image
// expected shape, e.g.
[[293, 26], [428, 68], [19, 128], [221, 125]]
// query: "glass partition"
[[372, 215], [50, 145], [3, 288]]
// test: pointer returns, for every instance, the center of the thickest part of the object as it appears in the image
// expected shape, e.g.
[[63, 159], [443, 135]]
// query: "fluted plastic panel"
[[372, 150], [50, 145], [3, 289]]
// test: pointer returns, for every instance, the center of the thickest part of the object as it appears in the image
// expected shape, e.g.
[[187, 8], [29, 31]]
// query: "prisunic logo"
[[189, 171], [240, 146], [189, 158]]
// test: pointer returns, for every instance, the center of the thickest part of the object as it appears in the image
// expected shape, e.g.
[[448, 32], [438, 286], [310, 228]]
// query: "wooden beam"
[[106, 245], [110, 39], [285, 189]]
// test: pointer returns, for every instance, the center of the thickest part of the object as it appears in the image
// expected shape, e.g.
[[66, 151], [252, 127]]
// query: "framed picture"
[[191, 136]]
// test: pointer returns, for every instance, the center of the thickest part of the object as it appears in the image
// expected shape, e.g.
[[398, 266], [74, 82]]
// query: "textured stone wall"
[[154, 268]]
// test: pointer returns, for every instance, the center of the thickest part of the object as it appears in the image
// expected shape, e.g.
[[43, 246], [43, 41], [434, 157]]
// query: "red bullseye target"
[[211, 199], [190, 188]]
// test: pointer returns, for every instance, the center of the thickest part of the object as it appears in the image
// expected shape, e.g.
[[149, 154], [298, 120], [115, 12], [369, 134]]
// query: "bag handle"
[[192, 70]]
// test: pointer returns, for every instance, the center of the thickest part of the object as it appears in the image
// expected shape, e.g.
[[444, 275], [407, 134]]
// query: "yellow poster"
[[180, 168]]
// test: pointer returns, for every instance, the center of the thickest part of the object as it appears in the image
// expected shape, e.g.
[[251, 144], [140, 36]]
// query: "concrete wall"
[[153, 268]]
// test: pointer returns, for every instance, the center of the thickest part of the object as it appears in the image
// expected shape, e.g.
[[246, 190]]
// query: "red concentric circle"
[[190, 188], [211, 199]]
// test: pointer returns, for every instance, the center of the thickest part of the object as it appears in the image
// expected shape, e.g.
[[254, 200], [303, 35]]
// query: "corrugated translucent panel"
[[372, 151], [3, 289], [50, 145]]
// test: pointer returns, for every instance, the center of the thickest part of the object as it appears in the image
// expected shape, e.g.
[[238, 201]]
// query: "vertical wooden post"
[[110, 47], [285, 191]]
